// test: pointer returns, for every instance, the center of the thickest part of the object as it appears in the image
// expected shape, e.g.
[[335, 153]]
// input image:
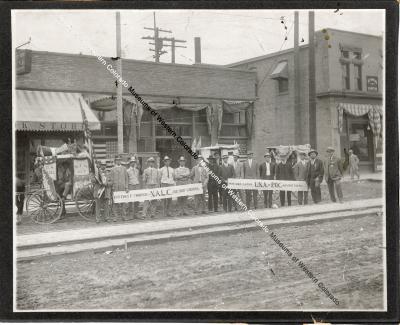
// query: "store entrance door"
[[361, 141], [174, 150]]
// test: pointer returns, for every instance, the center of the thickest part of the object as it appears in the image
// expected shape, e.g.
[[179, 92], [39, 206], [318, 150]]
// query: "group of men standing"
[[310, 169]]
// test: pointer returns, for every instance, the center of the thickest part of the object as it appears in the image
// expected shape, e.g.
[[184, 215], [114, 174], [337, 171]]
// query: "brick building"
[[349, 86], [206, 103]]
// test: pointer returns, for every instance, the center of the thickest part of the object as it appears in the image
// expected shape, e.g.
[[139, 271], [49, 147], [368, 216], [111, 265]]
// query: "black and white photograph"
[[199, 160]]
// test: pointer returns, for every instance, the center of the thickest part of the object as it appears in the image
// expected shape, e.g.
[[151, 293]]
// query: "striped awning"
[[51, 111], [374, 115]]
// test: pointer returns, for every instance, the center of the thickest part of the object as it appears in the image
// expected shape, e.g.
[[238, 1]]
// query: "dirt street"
[[242, 270]]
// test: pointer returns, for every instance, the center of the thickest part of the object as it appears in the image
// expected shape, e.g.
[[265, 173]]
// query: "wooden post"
[[296, 85], [120, 112], [312, 105]]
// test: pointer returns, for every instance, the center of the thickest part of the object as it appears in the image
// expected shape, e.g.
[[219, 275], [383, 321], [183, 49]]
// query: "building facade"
[[349, 87], [204, 104]]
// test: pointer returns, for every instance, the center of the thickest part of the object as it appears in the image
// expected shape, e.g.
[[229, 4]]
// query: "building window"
[[345, 54], [346, 75], [283, 85], [357, 55], [358, 76]]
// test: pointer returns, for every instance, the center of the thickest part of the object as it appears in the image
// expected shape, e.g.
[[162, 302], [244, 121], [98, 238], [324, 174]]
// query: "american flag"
[[89, 143]]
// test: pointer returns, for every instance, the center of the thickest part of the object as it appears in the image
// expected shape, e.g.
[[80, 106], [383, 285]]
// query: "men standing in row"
[[251, 171], [133, 184], [267, 171], [284, 172], [227, 171], [199, 175], [300, 171], [167, 179], [315, 175], [182, 176], [333, 174], [213, 185], [239, 173], [150, 180], [119, 182]]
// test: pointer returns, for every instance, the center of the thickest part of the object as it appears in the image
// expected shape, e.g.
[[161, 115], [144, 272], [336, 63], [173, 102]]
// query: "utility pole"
[[312, 105], [158, 41], [297, 110], [120, 113], [174, 46]]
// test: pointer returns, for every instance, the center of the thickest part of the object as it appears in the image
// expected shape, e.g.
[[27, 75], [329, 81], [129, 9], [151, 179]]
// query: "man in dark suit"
[[212, 185], [226, 171], [315, 175], [300, 171], [333, 170], [267, 171], [284, 172], [251, 171]]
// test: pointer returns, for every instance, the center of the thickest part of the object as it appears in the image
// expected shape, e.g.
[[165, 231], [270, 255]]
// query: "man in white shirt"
[[167, 178], [133, 184], [267, 171], [182, 177]]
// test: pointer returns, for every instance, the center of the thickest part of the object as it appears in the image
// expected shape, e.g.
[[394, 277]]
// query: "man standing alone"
[[267, 171], [300, 170], [333, 174], [353, 161]]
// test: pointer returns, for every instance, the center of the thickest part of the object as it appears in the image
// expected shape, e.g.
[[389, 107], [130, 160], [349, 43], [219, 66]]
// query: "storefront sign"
[[24, 61], [158, 193], [262, 184], [354, 137], [51, 170], [372, 84], [81, 167], [49, 126]]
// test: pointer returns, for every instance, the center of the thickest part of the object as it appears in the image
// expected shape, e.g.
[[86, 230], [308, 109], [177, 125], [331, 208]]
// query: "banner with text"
[[263, 184], [158, 193]]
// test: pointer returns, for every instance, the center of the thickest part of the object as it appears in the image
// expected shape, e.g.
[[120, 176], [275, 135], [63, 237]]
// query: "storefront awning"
[[100, 102], [51, 111], [280, 71], [374, 115]]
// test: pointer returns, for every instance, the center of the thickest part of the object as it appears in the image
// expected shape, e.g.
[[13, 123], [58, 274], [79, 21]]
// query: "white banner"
[[51, 170], [158, 193], [263, 184]]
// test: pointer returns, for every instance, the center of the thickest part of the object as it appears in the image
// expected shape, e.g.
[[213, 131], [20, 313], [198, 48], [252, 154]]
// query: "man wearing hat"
[[315, 175], [267, 171], [182, 177], [133, 184], [212, 185], [218, 161], [102, 192], [284, 172], [333, 171], [150, 180], [227, 171], [300, 171], [119, 182], [199, 175], [167, 178], [251, 170], [238, 168]]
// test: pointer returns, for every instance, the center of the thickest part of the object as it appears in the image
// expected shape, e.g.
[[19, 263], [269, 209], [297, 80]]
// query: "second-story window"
[[283, 85], [346, 75], [358, 76]]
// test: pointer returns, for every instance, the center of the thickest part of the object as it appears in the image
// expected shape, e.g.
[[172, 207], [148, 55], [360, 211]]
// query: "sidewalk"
[[100, 232]]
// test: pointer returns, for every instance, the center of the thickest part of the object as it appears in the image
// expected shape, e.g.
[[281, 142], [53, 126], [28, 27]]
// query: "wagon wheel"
[[85, 203], [42, 209]]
